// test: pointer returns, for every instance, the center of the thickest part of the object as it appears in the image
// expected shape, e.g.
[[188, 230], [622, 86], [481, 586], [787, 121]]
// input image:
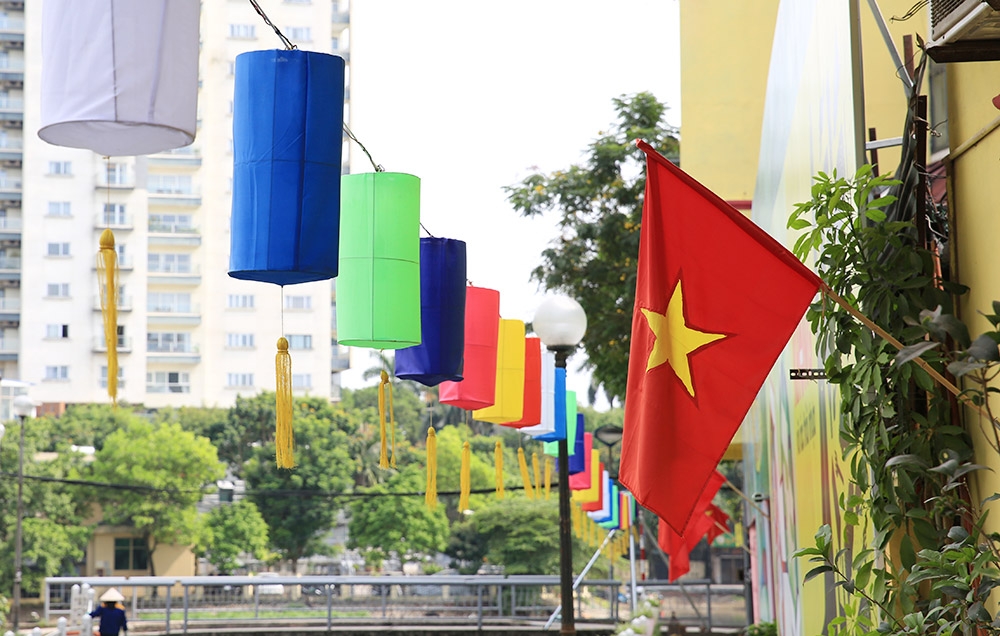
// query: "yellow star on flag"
[[674, 340]]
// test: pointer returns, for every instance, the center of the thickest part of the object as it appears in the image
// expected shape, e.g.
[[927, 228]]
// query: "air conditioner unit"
[[964, 31]]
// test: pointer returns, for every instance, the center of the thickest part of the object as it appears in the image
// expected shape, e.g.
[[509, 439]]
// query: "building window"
[[170, 223], [56, 332], [239, 301], [239, 379], [232, 68], [61, 168], [57, 372], [225, 495], [300, 34], [239, 341], [170, 184], [298, 341], [116, 174], [298, 302], [57, 249], [167, 382], [168, 342], [131, 554], [301, 380], [59, 208], [169, 263], [168, 302], [104, 377], [57, 290], [243, 31], [114, 214]]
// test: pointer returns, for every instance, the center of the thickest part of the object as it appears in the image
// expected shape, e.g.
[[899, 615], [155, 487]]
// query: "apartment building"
[[188, 333]]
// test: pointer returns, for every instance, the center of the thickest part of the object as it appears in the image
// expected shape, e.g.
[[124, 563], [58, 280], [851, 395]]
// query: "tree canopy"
[[599, 204], [232, 530]]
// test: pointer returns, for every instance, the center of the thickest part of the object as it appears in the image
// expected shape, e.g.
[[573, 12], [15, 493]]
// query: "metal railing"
[[177, 603]]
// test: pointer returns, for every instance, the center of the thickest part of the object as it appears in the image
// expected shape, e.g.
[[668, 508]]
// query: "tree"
[[232, 530], [295, 503], [520, 534], [382, 524], [54, 536], [170, 469], [600, 208]]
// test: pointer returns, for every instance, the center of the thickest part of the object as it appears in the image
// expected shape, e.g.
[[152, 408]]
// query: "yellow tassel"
[[538, 474], [432, 470], [548, 476], [107, 273], [284, 440], [384, 390], [498, 459], [576, 521], [525, 476], [465, 479]]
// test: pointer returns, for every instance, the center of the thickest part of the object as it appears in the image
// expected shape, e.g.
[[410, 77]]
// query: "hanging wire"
[[288, 43], [378, 167]]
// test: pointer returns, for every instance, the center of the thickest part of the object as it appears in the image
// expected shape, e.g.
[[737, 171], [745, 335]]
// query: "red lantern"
[[482, 327]]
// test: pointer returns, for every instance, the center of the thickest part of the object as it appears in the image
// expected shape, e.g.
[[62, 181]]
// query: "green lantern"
[[378, 287]]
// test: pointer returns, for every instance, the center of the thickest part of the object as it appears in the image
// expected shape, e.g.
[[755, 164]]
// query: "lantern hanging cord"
[[424, 228], [288, 43], [378, 167]]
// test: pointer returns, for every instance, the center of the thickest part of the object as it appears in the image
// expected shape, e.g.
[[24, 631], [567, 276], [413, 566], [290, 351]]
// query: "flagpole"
[[923, 364], [745, 498]]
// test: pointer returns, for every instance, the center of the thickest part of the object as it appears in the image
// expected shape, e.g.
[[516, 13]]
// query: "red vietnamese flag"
[[716, 300], [677, 545]]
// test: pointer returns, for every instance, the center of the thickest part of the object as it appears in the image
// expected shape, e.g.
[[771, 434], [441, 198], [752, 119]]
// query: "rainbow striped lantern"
[[508, 404], [119, 78], [532, 413], [482, 328], [438, 357], [378, 289], [287, 122]]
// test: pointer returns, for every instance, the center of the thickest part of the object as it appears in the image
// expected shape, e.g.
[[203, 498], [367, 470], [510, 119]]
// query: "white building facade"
[[189, 335]]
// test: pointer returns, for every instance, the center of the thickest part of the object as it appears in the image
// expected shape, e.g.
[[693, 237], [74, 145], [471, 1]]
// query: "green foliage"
[[293, 502], [518, 533], [599, 205], [178, 464], [404, 525], [231, 530], [929, 567], [764, 628]]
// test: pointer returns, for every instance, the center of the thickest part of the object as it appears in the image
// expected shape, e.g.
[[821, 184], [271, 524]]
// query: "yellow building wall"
[[168, 560], [975, 194]]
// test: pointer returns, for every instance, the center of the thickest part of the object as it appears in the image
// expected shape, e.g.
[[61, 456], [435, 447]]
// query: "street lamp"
[[609, 435], [560, 323], [23, 409]]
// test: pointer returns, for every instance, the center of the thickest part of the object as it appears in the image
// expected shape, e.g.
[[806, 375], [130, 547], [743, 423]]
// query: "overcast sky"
[[471, 96]]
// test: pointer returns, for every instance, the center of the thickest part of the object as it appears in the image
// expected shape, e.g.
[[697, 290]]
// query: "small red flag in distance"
[[716, 300]]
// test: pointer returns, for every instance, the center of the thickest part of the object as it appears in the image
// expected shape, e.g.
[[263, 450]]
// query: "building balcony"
[[164, 277], [124, 345], [173, 234], [176, 354], [340, 358], [12, 5], [11, 150], [10, 189], [115, 181], [169, 387], [122, 222], [173, 314], [10, 228], [124, 303], [12, 111], [12, 72], [125, 263], [9, 348], [186, 156], [341, 17], [10, 312], [10, 263]]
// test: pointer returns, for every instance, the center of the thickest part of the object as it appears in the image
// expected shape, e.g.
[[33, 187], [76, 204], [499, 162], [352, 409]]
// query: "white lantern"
[[120, 77]]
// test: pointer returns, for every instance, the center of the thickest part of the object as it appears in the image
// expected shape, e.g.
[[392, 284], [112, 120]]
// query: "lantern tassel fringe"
[[548, 476], [538, 474], [107, 272], [525, 476], [283, 437], [498, 459], [384, 397], [465, 479], [431, 497]]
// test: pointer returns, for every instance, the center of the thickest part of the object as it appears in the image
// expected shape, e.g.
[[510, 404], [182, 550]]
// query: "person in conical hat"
[[112, 617]]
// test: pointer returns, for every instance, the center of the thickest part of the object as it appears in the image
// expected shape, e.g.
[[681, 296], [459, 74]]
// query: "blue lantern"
[[439, 355], [288, 116]]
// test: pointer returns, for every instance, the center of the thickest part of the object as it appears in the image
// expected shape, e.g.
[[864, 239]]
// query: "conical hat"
[[112, 596]]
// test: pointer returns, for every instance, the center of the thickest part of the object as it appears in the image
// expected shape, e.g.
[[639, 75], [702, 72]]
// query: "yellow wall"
[[974, 178], [169, 560]]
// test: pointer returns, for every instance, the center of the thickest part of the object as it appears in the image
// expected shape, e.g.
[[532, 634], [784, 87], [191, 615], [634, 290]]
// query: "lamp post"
[[560, 323], [23, 408], [609, 435]]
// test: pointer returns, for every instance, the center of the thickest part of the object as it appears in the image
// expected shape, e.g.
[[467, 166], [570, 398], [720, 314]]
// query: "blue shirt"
[[112, 620]]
